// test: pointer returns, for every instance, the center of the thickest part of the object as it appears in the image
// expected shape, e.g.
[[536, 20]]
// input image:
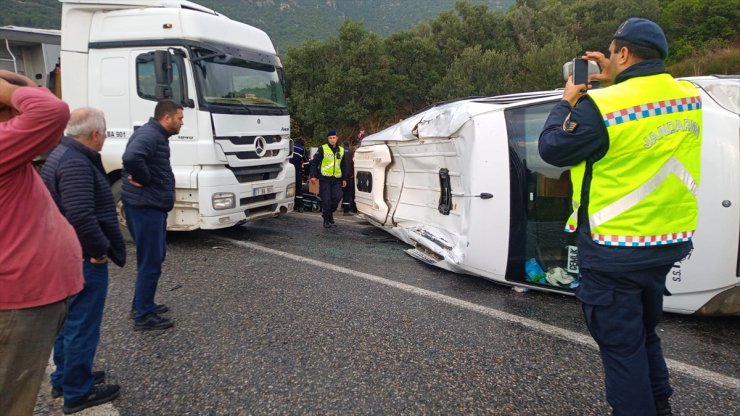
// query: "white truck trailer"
[[463, 183], [231, 158], [33, 53]]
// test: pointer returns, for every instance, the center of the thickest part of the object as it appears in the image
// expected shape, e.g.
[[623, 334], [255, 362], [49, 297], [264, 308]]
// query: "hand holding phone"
[[580, 71]]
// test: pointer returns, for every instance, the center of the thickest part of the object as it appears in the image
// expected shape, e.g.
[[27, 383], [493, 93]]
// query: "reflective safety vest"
[[643, 191], [331, 163]]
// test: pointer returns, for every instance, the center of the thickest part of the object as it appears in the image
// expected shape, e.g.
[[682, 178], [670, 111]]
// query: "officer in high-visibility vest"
[[330, 167], [634, 151]]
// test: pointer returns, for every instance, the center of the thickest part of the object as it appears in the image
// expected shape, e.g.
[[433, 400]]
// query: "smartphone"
[[580, 71]]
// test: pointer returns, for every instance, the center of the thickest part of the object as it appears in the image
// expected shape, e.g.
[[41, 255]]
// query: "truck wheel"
[[120, 213]]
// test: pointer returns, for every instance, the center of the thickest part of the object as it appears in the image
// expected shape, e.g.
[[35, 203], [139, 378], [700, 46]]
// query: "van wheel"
[[120, 213]]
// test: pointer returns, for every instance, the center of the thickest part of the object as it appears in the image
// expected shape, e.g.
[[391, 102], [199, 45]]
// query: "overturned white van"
[[463, 183]]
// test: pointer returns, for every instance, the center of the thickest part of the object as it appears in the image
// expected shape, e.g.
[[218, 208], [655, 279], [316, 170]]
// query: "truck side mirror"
[[163, 74]]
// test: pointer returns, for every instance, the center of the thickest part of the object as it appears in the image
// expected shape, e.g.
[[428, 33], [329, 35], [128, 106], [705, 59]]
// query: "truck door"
[[144, 99]]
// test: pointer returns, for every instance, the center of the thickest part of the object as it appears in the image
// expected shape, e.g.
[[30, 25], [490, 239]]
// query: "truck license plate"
[[262, 191]]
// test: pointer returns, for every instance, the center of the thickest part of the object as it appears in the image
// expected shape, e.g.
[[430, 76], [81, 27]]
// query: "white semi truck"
[[463, 183], [231, 158]]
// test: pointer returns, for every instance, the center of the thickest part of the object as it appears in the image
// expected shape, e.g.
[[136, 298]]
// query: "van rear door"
[[370, 175]]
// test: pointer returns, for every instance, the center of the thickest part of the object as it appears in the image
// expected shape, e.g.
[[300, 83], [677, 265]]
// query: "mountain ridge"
[[290, 23]]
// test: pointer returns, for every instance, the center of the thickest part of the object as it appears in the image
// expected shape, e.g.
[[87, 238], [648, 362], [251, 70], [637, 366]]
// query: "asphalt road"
[[281, 316]]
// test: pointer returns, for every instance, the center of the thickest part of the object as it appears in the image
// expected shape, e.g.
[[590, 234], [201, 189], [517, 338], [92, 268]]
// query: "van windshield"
[[227, 80]]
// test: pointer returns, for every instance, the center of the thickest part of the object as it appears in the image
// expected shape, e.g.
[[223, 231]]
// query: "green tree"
[[542, 66], [359, 78], [478, 73], [417, 65], [339, 83], [692, 25]]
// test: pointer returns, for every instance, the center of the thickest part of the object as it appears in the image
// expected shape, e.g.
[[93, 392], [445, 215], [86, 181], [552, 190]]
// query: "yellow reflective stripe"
[[672, 166]]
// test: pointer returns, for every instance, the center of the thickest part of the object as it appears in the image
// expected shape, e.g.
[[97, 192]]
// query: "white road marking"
[[695, 372]]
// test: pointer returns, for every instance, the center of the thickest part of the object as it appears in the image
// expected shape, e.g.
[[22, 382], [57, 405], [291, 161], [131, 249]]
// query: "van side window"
[[146, 81]]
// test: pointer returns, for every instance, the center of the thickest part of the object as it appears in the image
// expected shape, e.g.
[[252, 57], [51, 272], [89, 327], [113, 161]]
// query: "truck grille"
[[241, 140], [251, 147], [256, 173]]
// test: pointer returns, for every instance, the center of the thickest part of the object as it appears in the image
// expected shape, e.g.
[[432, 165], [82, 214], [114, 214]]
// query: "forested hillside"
[[288, 22], [358, 78]]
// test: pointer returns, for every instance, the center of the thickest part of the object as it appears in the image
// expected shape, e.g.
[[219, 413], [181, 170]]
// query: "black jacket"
[[147, 160], [589, 141], [299, 156], [77, 181]]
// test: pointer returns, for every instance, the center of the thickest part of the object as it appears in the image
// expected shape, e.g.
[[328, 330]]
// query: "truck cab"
[[464, 185], [231, 157]]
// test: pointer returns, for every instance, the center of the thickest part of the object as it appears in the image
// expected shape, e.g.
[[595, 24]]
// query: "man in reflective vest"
[[634, 148], [330, 167]]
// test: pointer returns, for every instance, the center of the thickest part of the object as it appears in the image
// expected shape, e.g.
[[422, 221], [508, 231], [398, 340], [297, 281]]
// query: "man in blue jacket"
[[76, 180], [148, 194]]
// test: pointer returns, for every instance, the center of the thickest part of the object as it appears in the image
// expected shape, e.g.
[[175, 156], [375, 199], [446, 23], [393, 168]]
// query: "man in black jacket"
[[75, 177], [148, 193]]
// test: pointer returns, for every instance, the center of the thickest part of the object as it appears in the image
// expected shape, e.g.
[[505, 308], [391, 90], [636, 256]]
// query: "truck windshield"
[[226, 80]]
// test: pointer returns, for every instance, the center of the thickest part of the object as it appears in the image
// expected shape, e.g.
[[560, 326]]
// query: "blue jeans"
[[26, 337], [622, 310], [75, 346], [148, 227]]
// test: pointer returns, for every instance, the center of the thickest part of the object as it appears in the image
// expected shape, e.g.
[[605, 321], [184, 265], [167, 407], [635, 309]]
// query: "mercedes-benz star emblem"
[[260, 146]]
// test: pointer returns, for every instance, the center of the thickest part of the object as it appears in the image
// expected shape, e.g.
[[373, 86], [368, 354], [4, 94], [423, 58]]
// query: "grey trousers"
[[26, 339]]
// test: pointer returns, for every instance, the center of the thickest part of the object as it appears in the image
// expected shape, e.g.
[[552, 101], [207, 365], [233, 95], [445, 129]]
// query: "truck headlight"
[[290, 191], [223, 200]]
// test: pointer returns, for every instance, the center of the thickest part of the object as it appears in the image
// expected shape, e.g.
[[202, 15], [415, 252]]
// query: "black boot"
[[100, 393]]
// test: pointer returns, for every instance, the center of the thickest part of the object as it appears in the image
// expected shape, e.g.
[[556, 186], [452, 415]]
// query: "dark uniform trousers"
[[330, 191], [298, 187], [622, 310], [348, 197]]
